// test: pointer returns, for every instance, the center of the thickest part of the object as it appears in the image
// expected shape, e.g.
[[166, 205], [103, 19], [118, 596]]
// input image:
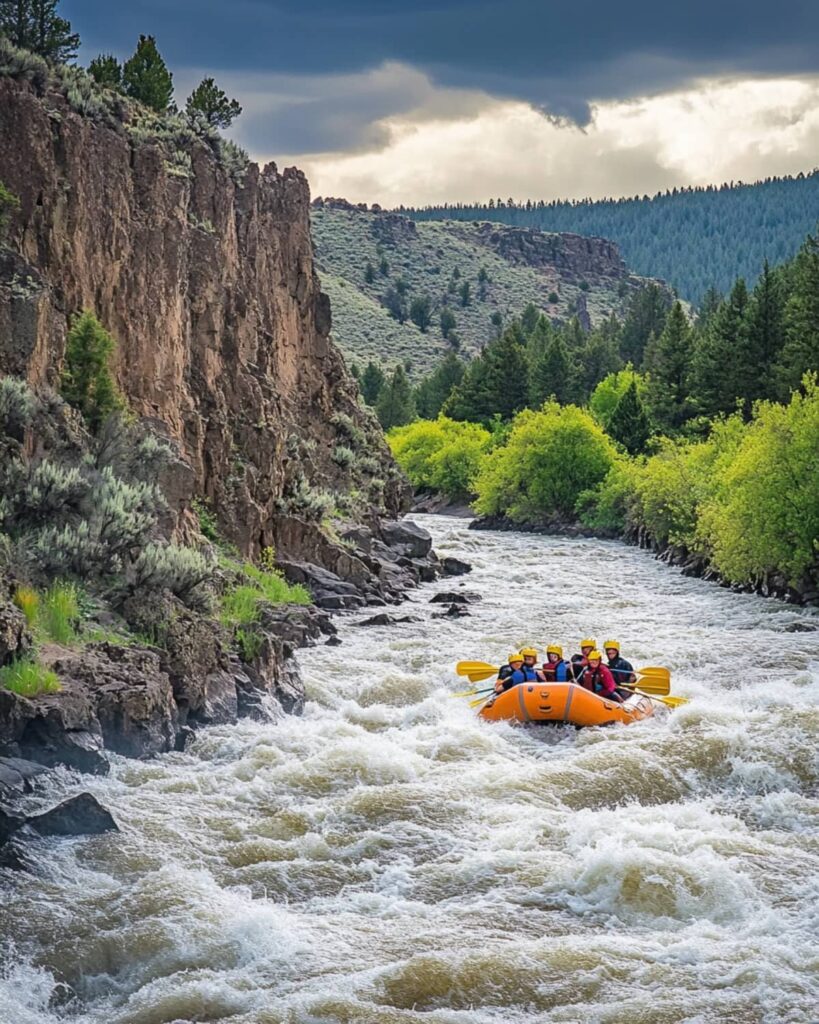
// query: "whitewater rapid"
[[388, 858]]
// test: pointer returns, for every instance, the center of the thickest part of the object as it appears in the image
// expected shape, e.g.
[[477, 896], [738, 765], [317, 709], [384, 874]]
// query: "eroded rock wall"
[[208, 286]]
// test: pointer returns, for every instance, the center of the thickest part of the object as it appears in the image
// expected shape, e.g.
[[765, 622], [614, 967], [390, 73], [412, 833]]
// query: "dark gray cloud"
[[556, 54]]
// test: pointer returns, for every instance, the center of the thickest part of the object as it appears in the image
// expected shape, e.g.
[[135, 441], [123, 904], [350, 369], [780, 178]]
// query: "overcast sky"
[[459, 100]]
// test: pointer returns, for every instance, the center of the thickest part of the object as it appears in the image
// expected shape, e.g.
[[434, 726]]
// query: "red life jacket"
[[599, 680]]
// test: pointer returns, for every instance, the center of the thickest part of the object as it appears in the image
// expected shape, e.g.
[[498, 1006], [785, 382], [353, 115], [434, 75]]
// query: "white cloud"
[[464, 146]]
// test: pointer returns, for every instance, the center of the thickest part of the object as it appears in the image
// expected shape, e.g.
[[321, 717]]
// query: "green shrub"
[[343, 456], [249, 643], [240, 605], [208, 523], [28, 679], [17, 403], [549, 459], [274, 587], [8, 204], [181, 570], [59, 612], [440, 455]]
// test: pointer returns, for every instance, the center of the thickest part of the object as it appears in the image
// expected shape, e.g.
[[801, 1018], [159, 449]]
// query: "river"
[[388, 858]]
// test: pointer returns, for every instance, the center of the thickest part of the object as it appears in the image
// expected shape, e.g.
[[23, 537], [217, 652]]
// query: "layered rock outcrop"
[[209, 286]]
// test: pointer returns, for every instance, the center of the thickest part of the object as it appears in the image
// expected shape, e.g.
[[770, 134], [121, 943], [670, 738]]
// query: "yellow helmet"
[[555, 649], [595, 656], [514, 656], [612, 644], [528, 652], [587, 643]]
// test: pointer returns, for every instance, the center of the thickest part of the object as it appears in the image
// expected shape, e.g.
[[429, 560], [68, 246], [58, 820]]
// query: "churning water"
[[389, 858]]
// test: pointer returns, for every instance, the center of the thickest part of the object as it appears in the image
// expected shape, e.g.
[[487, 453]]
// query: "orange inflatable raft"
[[563, 702]]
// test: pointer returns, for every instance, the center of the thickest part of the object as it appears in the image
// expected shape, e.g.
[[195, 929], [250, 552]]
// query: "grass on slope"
[[435, 259]]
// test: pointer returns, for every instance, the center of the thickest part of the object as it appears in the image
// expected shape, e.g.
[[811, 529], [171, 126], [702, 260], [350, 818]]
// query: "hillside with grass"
[[694, 238], [406, 292]]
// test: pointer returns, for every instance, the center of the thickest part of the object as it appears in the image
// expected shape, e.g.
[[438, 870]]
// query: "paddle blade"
[[477, 677], [469, 668], [471, 693], [654, 679], [480, 700], [674, 702]]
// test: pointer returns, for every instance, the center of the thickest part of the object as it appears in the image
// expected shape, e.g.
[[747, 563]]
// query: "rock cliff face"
[[209, 287]]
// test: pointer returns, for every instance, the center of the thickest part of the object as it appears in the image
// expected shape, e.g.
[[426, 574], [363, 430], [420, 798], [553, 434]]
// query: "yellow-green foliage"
[[59, 612], [241, 604], [550, 456], [763, 512], [610, 390], [440, 455], [747, 497], [28, 679], [28, 601], [52, 615]]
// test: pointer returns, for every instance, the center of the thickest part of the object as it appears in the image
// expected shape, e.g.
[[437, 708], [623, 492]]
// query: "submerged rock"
[[455, 611], [456, 597], [451, 566], [79, 815]]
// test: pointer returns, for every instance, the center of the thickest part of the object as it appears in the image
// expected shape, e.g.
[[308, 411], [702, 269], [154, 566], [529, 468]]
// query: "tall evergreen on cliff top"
[[146, 78], [801, 349], [35, 25], [720, 364]]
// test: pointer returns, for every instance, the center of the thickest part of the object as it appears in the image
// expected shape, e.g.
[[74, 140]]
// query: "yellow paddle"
[[653, 680]]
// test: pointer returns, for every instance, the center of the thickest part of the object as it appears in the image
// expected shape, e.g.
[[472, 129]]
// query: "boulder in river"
[[456, 597], [455, 611], [407, 538], [80, 815], [385, 619], [451, 566]]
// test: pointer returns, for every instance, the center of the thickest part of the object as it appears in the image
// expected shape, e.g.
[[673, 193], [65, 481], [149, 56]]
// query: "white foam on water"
[[389, 857]]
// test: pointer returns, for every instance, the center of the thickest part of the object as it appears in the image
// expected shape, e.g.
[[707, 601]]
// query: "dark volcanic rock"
[[79, 815], [63, 729], [451, 566], [133, 697], [17, 776], [455, 611], [15, 639], [407, 537], [9, 823], [385, 619], [456, 597], [334, 641]]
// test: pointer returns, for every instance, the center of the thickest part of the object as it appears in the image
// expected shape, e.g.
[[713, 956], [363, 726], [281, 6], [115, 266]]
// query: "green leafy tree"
[[35, 25], [629, 423], [720, 364], [494, 383], [441, 455], [146, 78], [395, 405], [106, 70], [435, 389], [800, 352], [372, 381], [218, 109], [448, 321], [421, 312], [549, 458], [87, 381], [668, 362]]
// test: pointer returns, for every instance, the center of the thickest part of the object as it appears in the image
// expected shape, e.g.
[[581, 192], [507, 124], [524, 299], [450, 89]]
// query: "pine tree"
[[495, 383], [668, 361], [629, 423], [552, 375], [393, 301], [711, 302], [219, 110], [529, 318], [465, 293], [421, 312], [369, 273], [87, 382], [448, 321], [720, 365], [646, 316], [35, 25], [801, 349], [106, 70], [395, 405], [434, 390], [146, 78], [599, 356], [765, 331], [372, 381]]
